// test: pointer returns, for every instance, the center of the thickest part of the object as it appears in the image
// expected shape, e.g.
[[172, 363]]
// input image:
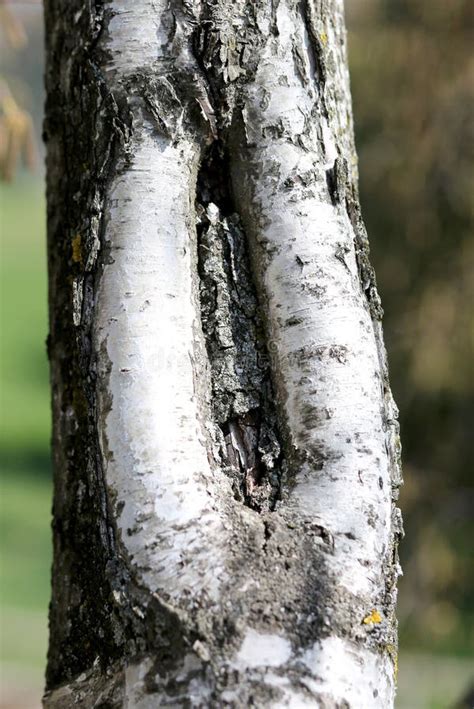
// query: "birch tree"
[[225, 441]]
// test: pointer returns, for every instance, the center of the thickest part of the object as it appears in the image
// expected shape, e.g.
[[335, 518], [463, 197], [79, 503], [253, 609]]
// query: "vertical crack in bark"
[[242, 394]]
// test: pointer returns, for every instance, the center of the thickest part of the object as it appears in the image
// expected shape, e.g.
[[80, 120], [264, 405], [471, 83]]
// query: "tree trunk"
[[225, 442]]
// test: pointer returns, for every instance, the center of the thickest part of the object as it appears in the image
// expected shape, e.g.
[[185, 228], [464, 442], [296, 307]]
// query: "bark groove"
[[247, 433]]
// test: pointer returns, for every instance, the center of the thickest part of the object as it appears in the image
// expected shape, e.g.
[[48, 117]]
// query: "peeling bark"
[[225, 440]]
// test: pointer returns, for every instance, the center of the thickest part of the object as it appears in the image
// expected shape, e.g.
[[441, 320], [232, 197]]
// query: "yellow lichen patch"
[[77, 249], [324, 38], [373, 618]]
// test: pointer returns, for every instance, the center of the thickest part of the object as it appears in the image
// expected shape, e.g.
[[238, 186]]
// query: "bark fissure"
[[242, 392]]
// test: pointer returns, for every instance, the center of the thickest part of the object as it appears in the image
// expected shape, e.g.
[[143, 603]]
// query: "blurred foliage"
[[412, 71], [17, 140], [12, 26], [16, 135]]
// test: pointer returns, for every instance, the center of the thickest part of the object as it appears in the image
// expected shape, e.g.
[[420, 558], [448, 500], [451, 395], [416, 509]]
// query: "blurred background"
[[412, 73]]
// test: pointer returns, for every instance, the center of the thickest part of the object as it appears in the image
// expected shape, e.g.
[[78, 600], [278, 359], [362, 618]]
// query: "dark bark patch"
[[242, 392]]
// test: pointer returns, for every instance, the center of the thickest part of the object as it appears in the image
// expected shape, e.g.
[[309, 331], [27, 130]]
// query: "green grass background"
[[25, 485]]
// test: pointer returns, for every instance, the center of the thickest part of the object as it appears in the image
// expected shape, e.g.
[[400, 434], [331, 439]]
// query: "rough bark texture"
[[225, 441]]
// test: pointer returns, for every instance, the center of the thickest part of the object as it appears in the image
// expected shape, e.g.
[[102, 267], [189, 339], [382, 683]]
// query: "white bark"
[[148, 331], [154, 441], [326, 357], [178, 526]]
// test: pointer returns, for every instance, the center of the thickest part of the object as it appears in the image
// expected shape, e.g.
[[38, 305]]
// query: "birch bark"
[[225, 440]]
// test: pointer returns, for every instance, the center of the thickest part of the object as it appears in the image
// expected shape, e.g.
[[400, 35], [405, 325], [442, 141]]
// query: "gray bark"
[[226, 450]]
